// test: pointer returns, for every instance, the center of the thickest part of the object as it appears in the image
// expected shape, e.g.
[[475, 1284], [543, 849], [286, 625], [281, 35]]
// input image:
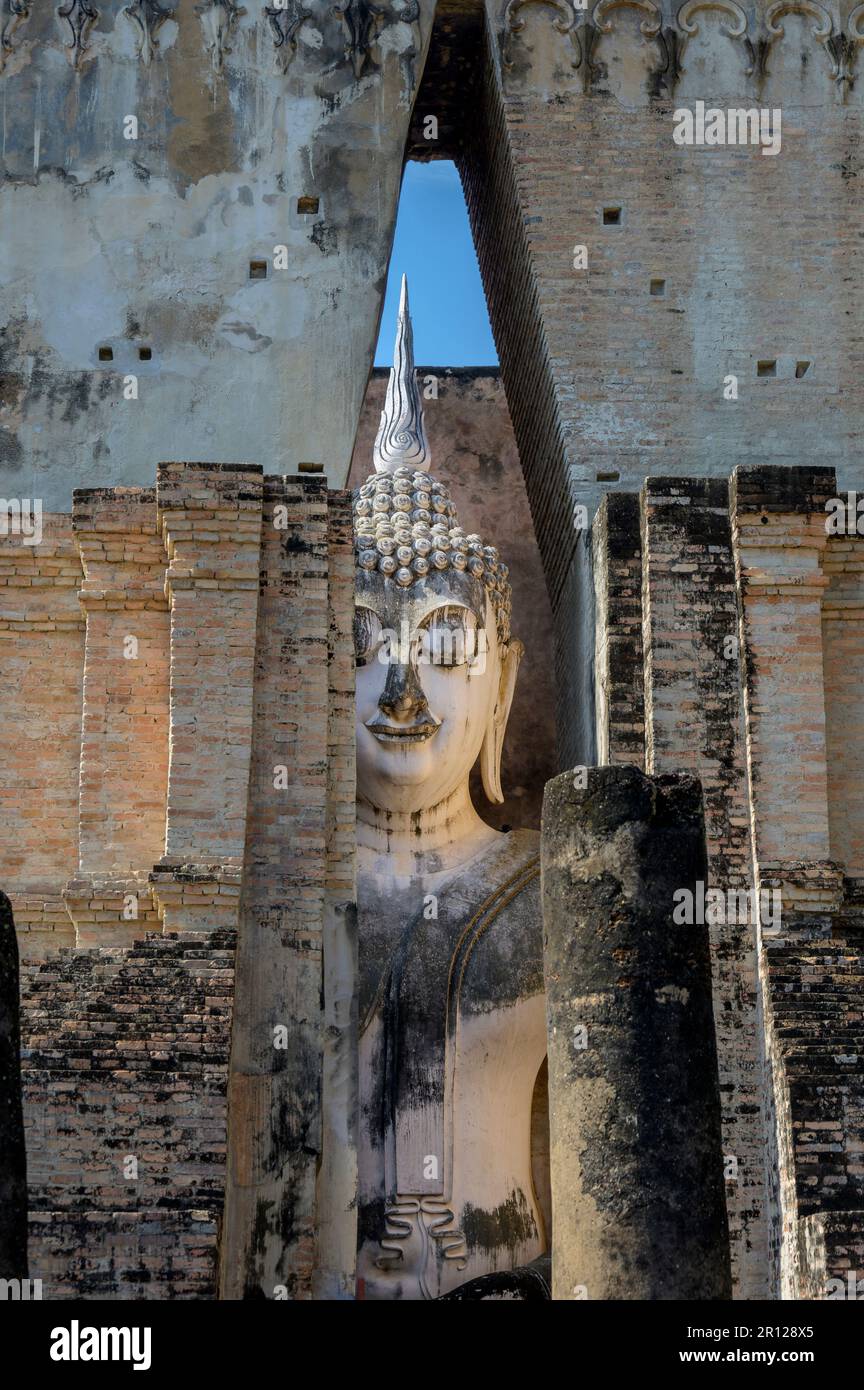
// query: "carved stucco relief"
[[354, 29], [148, 16], [673, 34], [13, 13]]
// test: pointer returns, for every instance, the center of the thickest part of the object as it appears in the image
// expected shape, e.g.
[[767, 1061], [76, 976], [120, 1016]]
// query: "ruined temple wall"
[[667, 667], [618, 363], [751, 645], [685, 285], [195, 198], [225, 739]]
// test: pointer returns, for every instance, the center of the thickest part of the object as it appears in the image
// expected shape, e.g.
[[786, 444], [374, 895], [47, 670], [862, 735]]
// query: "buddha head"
[[436, 665]]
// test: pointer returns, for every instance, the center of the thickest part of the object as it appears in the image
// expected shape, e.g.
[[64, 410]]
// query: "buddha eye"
[[450, 637], [367, 635]]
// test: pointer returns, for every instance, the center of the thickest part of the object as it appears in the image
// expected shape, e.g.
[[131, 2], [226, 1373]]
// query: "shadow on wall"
[[474, 453]]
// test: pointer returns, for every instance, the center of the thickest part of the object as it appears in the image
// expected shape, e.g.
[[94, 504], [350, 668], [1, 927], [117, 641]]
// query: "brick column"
[[41, 661], [779, 534], [616, 548], [210, 519], [843, 665], [124, 726], [293, 1101], [693, 722]]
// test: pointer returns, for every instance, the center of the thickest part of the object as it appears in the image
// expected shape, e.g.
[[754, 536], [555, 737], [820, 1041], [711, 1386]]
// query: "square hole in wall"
[[257, 270], [307, 204], [658, 289], [145, 354], [310, 468], [608, 477], [802, 368], [767, 367], [106, 354], [612, 217]]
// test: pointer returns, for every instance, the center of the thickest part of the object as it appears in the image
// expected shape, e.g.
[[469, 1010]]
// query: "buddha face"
[[429, 686]]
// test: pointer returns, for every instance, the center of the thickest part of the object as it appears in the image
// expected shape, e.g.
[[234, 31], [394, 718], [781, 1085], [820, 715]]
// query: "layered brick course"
[[815, 1017], [125, 1071], [618, 662]]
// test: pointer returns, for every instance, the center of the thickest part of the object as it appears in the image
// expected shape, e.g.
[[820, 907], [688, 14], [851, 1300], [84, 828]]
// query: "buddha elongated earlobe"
[[493, 743]]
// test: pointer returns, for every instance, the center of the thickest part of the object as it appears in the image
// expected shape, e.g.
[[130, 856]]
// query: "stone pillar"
[[13, 1159], [637, 1174], [210, 516], [124, 726]]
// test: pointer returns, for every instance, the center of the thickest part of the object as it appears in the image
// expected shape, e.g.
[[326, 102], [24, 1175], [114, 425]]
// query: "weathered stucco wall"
[[474, 454], [700, 260], [630, 277], [124, 245]]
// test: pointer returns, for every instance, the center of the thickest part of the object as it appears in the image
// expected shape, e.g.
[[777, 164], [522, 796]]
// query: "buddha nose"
[[403, 695]]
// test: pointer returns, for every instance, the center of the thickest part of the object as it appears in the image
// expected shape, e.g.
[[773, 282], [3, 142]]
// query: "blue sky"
[[433, 247]]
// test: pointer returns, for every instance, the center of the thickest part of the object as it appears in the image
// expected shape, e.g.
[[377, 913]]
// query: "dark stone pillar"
[[637, 1172], [13, 1162]]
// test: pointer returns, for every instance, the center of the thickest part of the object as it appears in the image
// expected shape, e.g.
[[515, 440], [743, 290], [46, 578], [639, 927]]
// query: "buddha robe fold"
[[452, 1038]]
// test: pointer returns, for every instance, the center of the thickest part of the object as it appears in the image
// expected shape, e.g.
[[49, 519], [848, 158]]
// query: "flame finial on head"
[[405, 522], [401, 439]]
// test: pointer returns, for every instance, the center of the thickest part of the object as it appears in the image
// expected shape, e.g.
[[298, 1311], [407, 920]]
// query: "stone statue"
[[452, 1016]]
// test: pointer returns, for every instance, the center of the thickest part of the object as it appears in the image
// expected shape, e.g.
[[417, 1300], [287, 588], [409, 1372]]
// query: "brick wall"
[[815, 1014], [218, 651], [732, 625], [125, 1068], [637, 377], [619, 369]]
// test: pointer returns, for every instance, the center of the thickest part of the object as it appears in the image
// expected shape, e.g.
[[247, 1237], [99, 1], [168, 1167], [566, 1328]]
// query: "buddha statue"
[[452, 1013]]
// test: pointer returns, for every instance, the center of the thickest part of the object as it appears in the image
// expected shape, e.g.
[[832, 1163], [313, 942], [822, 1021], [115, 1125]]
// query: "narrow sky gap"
[[433, 247]]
